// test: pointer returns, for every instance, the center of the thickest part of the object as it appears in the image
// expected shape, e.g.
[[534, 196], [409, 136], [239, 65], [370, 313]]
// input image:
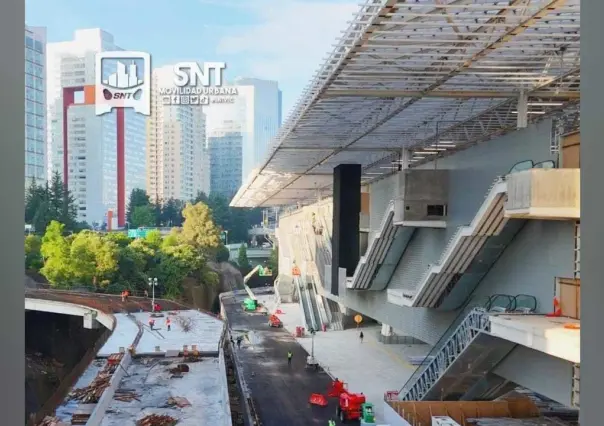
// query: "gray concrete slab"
[[150, 379]]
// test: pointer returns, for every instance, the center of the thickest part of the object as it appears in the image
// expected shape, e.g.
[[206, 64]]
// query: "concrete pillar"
[[386, 330], [522, 120], [346, 217], [90, 321], [592, 172]]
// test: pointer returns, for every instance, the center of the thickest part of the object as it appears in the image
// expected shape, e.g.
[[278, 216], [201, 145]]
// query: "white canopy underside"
[[432, 76]]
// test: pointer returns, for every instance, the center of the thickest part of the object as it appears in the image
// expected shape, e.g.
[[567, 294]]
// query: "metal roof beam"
[[461, 94]]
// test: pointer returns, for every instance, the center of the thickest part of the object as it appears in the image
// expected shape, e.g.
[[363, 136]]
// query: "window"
[[436, 210]]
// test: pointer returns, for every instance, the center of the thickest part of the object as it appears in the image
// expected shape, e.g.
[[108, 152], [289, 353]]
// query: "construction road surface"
[[280, 392]]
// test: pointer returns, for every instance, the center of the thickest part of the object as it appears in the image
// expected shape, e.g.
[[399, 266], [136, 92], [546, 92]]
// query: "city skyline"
[[102, 171]]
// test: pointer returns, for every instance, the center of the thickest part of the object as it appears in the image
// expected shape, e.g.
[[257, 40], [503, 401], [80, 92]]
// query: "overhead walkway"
[[376, 267]]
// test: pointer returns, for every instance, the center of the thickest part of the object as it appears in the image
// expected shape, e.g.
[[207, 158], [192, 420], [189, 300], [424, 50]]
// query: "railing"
[[418, 385], [455, 239]]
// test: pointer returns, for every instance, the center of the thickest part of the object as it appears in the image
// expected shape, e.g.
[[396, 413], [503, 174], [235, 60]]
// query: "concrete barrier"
[[225, 388], [96, 417]]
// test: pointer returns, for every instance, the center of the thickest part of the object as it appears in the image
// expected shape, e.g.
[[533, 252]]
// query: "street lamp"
[[152, 284]]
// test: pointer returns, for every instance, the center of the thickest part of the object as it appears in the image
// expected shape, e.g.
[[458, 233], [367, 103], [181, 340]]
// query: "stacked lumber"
[[126, 395], [51, 421], [157, 420], [93, 392]]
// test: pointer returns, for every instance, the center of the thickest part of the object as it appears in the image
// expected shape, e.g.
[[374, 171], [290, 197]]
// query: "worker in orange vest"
[[151, 323], [168, 323]]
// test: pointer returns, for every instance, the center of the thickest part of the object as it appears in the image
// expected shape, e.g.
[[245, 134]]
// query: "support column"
[[386, 330], [522, 120], [121, 167], [346, 216], [592, 267]]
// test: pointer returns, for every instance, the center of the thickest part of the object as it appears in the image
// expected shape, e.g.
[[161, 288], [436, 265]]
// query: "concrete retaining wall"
[[225, 388]]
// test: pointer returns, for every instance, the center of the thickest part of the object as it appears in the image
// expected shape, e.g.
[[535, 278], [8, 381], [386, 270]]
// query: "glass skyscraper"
[[35, 105]]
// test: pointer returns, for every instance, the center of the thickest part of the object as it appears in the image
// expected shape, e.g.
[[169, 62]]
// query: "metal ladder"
[[476, 322]]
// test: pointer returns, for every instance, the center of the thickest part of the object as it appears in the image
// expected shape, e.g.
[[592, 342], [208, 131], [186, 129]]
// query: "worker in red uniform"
[[156, 308], [168, 323]]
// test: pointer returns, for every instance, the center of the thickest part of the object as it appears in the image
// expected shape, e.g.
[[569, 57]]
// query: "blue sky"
[[283, 40]]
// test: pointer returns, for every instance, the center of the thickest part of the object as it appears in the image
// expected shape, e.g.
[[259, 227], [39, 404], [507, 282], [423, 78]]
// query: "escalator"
[[308, 317], [312, 296]]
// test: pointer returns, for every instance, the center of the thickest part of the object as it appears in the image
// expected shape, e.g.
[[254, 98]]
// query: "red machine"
[[349, 406], [336, 388], [274, 321]]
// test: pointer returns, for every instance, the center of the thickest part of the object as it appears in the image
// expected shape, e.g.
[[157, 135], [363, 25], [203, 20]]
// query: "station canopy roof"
[[427, 76]]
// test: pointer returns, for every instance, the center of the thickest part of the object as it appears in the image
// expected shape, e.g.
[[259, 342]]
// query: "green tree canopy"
[[56, 253], [198, 228], [138, 198], [242, 260], [142, 216], [33, 252], [43, 204]]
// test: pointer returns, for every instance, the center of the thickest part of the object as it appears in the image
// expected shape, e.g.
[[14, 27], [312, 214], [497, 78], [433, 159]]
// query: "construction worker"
[[331, 422], [361, 336], [168, 323], [151, 323], [289, 358], [239, 339], [123, 296]]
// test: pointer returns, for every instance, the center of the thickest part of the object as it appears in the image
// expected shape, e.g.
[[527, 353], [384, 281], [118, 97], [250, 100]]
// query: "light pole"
[[153, 284]]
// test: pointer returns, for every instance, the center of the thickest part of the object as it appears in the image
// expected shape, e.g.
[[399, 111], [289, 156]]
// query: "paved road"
[[280, 392]]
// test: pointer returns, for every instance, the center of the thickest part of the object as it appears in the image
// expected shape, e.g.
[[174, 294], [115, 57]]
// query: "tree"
[[223, 254], [198, 228], [33, 252], [171, 212], [273, 261], [138, 198], [55, 252], [142, 216], [44, 204], [242, 260], [93, 259]]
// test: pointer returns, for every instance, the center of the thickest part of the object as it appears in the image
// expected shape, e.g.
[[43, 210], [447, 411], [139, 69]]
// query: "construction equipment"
[[350, 406], [274, 321], [317, 399], [367, 414], [250, 305], [311, 362], [336, 388]]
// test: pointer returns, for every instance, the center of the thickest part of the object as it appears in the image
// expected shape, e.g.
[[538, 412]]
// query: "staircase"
[[460, 363], [472, 250]]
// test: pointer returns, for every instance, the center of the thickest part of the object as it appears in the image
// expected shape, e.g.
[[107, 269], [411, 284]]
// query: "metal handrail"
[[444, 354]]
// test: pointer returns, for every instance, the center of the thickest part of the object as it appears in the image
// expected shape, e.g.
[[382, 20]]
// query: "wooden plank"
[[568, 291]]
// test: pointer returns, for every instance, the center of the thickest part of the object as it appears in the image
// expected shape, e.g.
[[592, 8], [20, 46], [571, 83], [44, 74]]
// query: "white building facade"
[[177, 161], [35, 105], [92, 154]]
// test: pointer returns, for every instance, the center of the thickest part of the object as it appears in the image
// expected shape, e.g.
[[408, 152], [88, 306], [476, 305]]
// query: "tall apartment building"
[[257, 109], [263, 119], [177, 164], [101, 158], [225, 148], [35, 105]]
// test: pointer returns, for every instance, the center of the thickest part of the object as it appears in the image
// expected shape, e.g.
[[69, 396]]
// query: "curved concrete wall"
[[65, 308]]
